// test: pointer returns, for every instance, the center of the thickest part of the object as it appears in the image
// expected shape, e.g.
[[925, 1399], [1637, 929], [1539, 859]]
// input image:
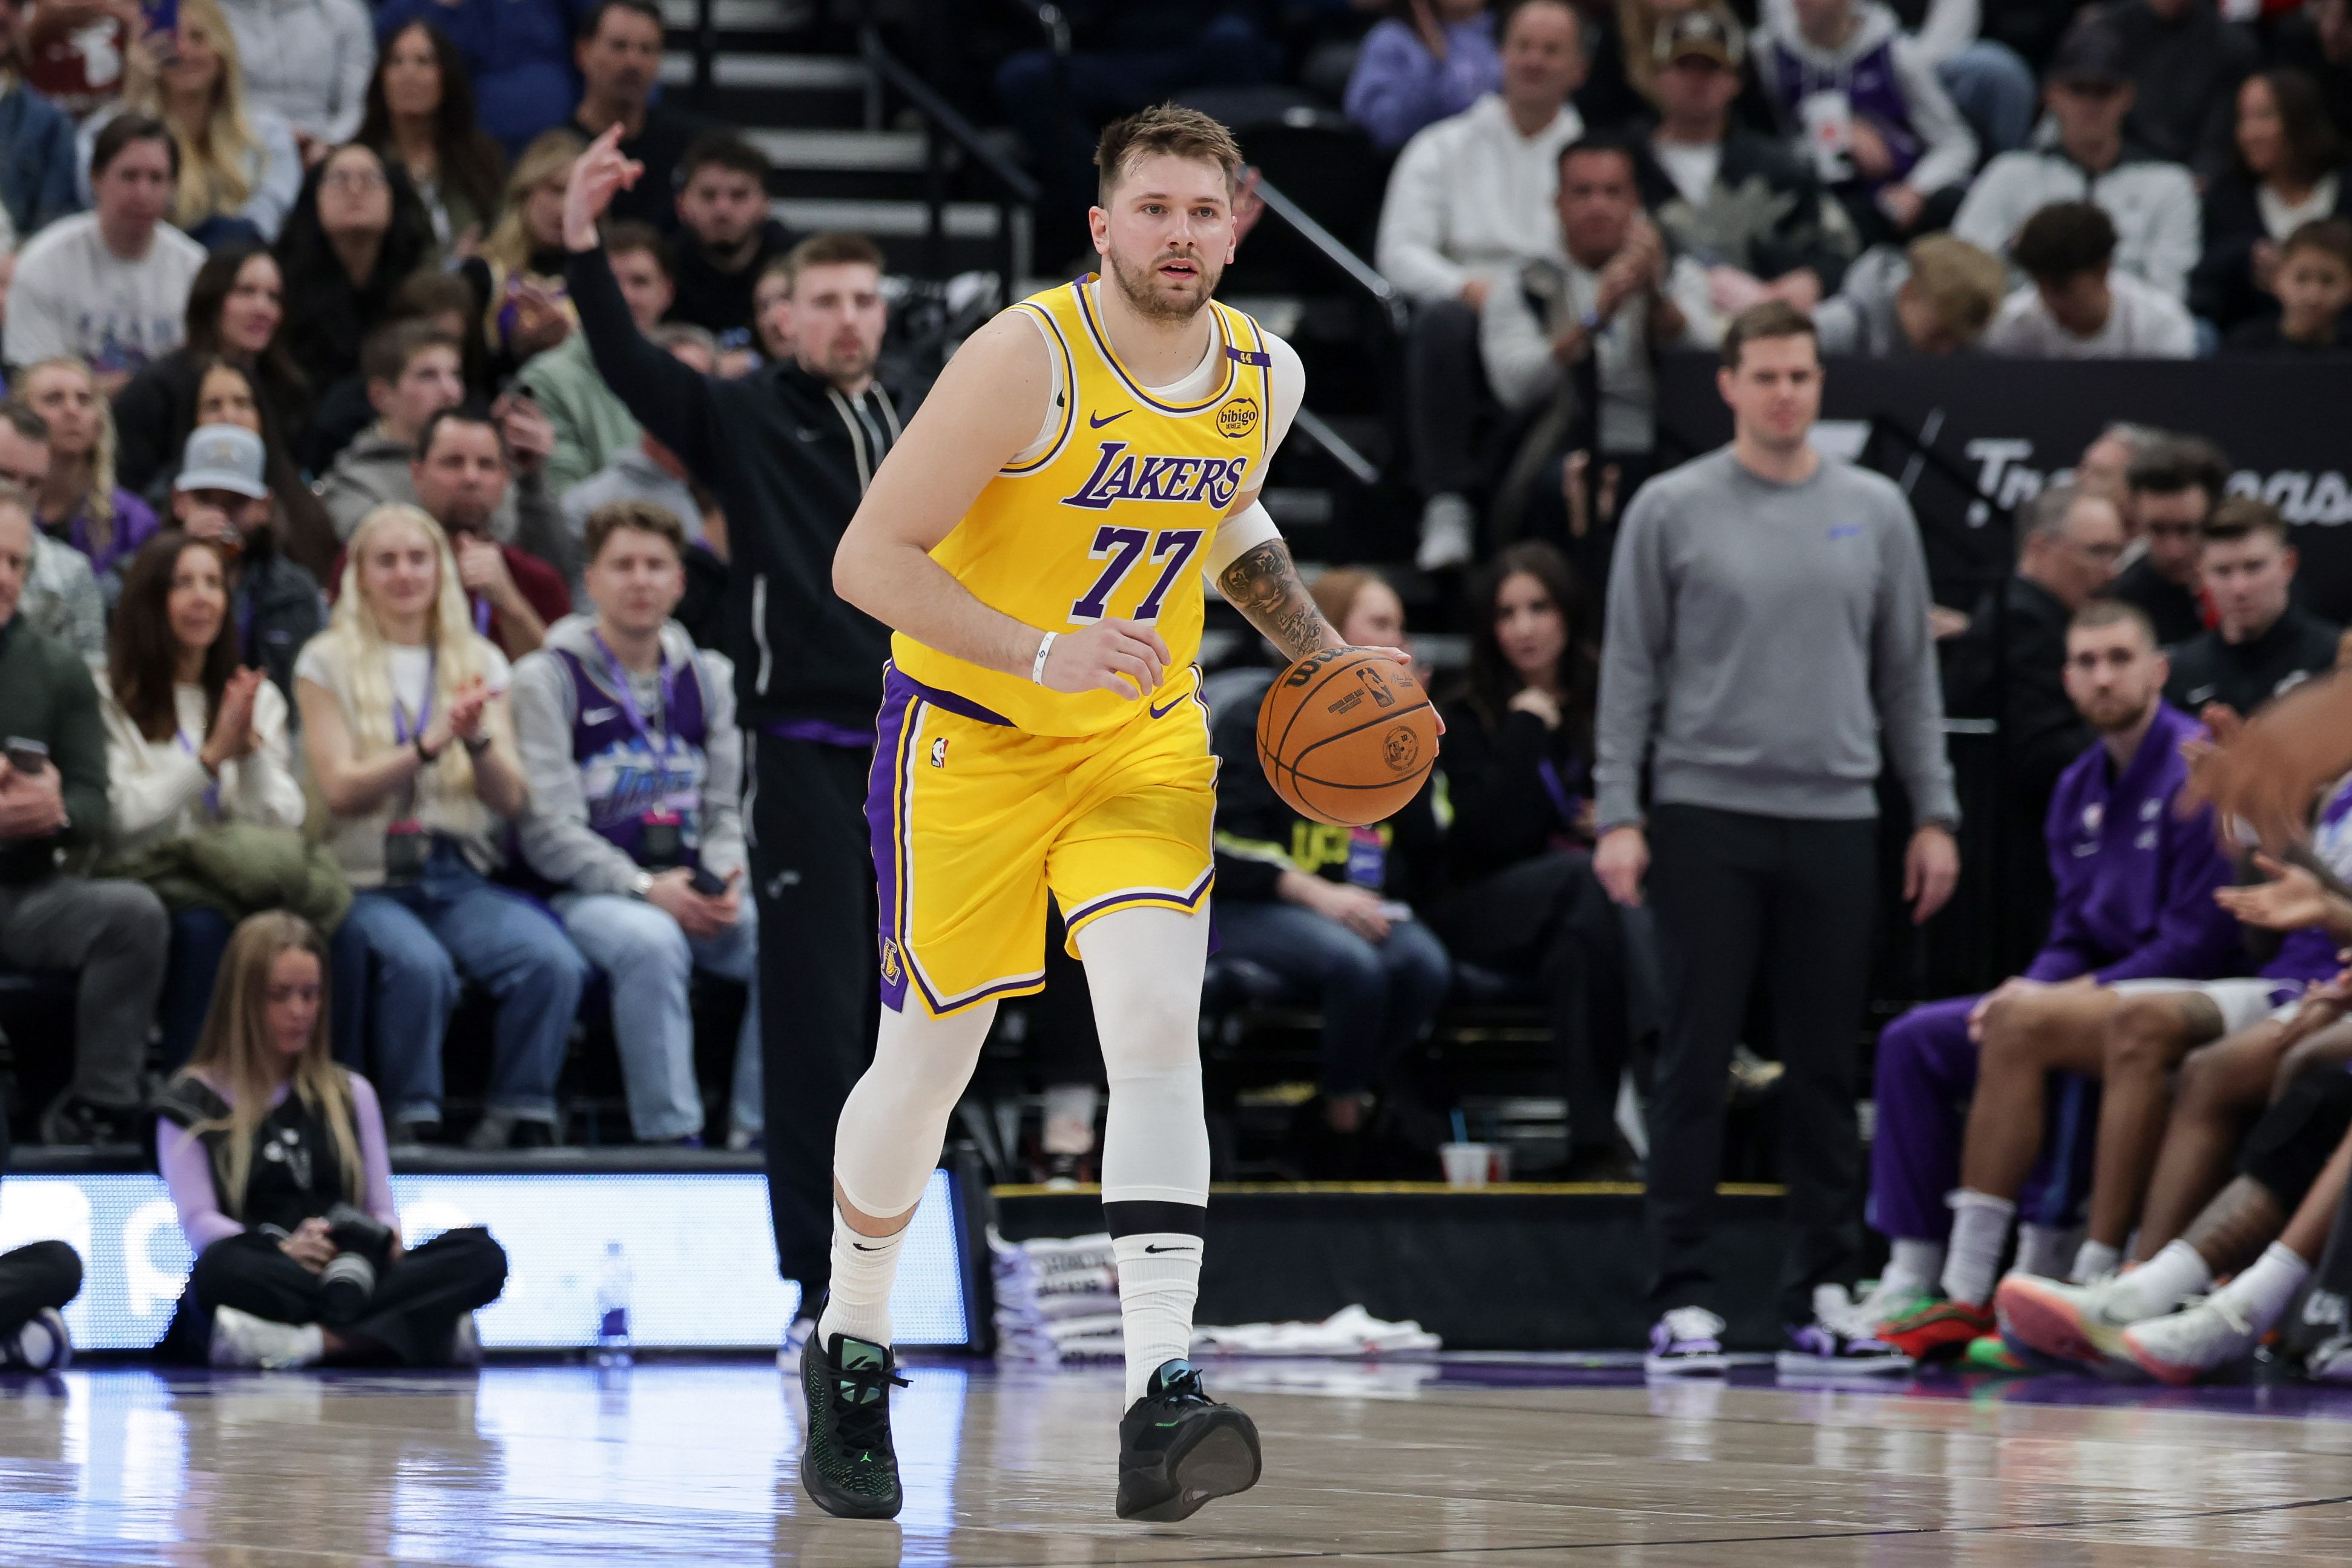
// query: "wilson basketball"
[[1347, 736]]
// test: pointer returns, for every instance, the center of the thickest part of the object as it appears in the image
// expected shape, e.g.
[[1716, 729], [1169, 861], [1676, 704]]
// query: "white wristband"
[[1037, 665]]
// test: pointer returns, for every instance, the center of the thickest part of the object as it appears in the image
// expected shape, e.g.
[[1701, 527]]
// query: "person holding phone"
[[628, 738]]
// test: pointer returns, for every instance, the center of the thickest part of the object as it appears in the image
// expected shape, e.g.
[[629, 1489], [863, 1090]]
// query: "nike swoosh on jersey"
[[1163, 712], [1094, 422]]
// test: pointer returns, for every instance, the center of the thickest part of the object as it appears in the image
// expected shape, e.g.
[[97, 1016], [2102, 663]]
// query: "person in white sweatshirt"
[[2080, 305], [193, 740], [1469, 203]]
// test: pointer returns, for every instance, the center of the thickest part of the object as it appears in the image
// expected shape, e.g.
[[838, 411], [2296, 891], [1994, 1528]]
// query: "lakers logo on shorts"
[[890, 966], [1238, 417]]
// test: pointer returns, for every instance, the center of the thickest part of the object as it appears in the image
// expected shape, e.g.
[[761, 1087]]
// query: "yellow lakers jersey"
[[1113, 519]]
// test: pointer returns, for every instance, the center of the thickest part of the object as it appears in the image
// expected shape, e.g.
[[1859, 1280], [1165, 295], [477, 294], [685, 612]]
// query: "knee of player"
[[2144, 1036]]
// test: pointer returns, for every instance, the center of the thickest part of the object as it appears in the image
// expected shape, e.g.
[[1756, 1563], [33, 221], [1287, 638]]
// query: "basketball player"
[[1037, 539]]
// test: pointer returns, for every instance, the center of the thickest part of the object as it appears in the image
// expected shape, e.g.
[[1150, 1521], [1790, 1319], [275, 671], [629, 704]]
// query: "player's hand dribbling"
[[601, 172], [1122, 657]]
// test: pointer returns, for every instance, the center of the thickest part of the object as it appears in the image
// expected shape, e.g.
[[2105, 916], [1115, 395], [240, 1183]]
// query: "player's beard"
[[1141, 289]]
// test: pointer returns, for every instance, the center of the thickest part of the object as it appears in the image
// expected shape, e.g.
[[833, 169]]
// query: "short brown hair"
[[2235, 517], [826, 250], [628, 236], [2097, 613], [642, 515], [388, 349], [1959, 282], [1169, 128], [1771, 318], [2330, 235]]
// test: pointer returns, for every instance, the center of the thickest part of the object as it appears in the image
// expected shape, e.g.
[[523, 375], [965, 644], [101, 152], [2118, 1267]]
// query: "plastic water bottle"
[[614, 1282]]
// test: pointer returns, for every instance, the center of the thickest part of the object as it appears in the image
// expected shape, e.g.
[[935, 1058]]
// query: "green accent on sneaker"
[[848, 1464]]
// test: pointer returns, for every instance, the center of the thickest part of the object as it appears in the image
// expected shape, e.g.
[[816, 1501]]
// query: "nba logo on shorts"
[[939, 752]]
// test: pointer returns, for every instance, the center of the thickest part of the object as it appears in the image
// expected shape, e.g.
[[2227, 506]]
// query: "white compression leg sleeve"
[[891, 1130], [1143, 966]]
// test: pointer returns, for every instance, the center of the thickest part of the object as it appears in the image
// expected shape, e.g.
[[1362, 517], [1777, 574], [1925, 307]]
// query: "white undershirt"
[[1691, 167], [2279, 219]]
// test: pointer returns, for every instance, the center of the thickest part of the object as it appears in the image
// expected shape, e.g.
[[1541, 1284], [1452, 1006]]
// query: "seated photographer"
[[404, 722], [195, 741], [628, 738], [275, 1159], [1327, 907], [1517, 764]]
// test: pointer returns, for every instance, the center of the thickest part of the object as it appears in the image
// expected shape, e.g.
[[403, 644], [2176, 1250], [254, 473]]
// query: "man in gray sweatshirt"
[[1768, 626]]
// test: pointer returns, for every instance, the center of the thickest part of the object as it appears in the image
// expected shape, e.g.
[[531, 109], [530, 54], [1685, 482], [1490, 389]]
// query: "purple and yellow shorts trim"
[[974, 822]]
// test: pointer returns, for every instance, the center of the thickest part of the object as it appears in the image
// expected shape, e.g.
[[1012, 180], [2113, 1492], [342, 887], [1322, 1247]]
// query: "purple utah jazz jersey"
[[620, 773]]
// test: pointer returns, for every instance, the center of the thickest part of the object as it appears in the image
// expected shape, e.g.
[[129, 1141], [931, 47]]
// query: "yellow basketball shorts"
[[972, 823]]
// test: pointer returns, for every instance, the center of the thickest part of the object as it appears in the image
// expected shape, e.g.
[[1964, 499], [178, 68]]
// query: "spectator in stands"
[[73, 50], [1425, 61], [1936, 296], [628, 737], [528, 314], [787, 499], [1330, 909], [52, 805], [38, 183], [771, 312], [2009, 665], [356, 232], [238, 171], [1519, 760], [593, 426], [2152, 202], [236, 306], [2186, 63], [36, 1280], [1885, 140], [309, 60], [517, 52], [649, 473], [468, 465], [81, 504], [223, 493], [2135, 875], [2105, 467], [1472, 199], [619, 52], [2289, 169], [110, 285], [277, 1161], [2262, 642], [194, 740], [1569, 344], [420, 115], [1743, 203], [1990, 86], [2317, 39], [60, 598], [405, 725], [443, 300], [412, 373], [1767, 747], [2174, 484], [2079, 305], [726, 238], [2313, 285]]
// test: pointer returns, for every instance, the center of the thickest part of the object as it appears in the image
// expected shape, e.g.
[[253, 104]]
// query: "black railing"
[[1012, 192]]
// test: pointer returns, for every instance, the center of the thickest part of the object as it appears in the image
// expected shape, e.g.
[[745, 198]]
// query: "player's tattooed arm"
[[1264, 586]]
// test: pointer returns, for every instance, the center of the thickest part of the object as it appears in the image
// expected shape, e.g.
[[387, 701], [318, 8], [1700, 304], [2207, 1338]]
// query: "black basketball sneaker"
[[1178, 1448], [848, 1464]]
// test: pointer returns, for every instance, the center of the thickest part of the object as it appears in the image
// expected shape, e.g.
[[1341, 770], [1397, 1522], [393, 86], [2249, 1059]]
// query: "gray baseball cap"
[[222, 457]]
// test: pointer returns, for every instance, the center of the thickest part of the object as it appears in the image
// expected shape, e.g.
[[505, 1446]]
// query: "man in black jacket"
[[2262, 643], [2175, 482], [2068, 542], [788, 452]]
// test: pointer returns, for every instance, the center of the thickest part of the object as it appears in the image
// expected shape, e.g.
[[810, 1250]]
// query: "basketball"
[[1347, 736]]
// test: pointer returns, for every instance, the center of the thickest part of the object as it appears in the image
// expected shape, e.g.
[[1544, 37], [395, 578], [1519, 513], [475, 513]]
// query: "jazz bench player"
[[1037, 539]]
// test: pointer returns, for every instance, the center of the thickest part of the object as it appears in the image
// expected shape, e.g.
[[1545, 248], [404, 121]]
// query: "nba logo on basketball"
[[1401, 747]]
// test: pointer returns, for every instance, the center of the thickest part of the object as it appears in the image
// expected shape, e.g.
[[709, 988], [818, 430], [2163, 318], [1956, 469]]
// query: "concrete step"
[[756, 87], [743, 15], [901, 227]]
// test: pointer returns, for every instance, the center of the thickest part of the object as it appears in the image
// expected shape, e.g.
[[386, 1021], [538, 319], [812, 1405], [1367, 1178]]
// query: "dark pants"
[[1446, 398], [41, 1274], [812, 871], [1377, 997], [411, 1316], [1734, 895], [199, 941], [1596, 963]]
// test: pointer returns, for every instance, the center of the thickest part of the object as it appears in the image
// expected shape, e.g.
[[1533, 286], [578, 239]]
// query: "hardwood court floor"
[[1468, 1463]]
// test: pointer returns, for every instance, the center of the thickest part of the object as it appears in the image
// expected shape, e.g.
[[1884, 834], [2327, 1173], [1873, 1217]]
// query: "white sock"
[[2094, 1260], [858, 1303], [2161, 1283], [1159, 1280], [1918, 1264], [1070, 1118], [2262, 1292], [1979, 1233], [2042, 1249], [310, 1345]]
